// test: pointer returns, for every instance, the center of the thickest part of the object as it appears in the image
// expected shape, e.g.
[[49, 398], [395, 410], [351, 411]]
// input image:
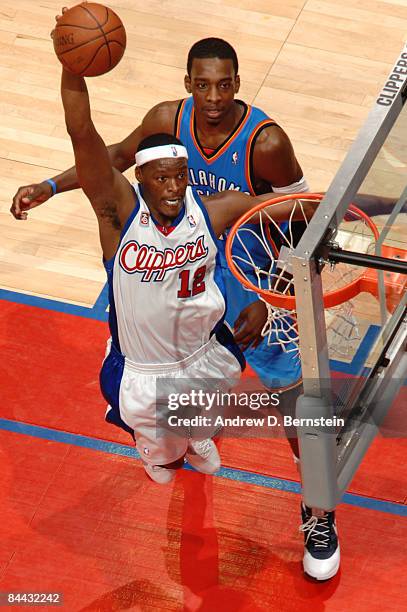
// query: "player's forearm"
[[286, 209], [93, 165], [75, 99], [78, 120], [376, 205]]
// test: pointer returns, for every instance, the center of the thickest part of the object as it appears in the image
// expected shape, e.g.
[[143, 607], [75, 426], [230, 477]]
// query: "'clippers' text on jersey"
[[153, 263]]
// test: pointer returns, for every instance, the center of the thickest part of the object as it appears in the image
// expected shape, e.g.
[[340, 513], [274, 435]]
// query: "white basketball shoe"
[[203, 456]]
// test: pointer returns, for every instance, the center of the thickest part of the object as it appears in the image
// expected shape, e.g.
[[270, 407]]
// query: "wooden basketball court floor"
[[78, 514]]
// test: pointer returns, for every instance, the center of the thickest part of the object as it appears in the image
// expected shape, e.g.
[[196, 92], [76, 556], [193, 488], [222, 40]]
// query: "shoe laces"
[[202, 447], [317, 529]]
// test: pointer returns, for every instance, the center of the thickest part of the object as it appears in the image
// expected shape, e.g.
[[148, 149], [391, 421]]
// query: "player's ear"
[[187, 83], [139, 176], [237, 83]]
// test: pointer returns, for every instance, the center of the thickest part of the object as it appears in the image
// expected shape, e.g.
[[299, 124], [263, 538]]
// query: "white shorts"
[[138, 395]]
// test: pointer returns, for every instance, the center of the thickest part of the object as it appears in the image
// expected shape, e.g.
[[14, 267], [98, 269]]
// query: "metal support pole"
[[377, 262]]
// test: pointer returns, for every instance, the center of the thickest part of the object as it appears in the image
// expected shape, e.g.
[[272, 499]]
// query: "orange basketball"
[[89, 39]]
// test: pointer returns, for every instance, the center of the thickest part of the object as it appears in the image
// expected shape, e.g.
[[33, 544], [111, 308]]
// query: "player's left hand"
[[249, 324]]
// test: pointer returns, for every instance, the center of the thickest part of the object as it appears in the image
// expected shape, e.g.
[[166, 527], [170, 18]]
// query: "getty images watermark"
[[212, 401], [238, 412]]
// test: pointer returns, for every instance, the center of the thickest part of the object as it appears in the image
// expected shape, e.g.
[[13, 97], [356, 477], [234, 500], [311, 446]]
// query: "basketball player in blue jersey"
[[252, 155], [166, 295]]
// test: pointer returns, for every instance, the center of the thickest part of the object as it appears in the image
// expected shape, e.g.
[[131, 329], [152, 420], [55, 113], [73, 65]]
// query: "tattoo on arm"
[[108, 211]]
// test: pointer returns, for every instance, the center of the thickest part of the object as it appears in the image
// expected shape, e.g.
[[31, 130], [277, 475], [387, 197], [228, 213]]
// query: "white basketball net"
[[281, 328]]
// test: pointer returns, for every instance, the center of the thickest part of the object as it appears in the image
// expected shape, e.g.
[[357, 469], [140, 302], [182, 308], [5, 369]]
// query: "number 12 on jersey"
[[188, 289]]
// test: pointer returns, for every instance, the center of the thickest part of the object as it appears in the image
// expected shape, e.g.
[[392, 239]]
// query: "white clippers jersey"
[[165, 291]]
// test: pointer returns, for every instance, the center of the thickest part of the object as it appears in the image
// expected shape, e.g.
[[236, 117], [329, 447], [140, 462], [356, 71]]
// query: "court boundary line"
[[244, 476]]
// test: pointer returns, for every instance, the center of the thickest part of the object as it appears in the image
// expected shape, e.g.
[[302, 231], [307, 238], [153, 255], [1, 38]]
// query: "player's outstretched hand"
[[249, 325], [28, 197]]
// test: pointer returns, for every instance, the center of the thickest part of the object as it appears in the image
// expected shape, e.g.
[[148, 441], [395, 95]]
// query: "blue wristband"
[[53, 185]]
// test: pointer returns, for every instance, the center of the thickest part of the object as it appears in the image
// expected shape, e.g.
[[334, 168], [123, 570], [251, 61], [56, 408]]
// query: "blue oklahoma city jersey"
[[230, 167]]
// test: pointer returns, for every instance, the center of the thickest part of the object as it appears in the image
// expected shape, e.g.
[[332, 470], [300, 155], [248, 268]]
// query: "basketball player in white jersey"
[[165, 292], [159, 248]]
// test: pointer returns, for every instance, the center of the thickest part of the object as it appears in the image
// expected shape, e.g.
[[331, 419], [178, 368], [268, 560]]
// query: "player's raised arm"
[[110, 193]]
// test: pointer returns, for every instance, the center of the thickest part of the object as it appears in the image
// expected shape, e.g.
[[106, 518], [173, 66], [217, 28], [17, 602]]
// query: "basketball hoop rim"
[[287, 302]]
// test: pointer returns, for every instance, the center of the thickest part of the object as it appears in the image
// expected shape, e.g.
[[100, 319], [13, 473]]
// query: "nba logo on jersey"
[[235, 158], [174, 151], [144, 218], [192, 222]]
